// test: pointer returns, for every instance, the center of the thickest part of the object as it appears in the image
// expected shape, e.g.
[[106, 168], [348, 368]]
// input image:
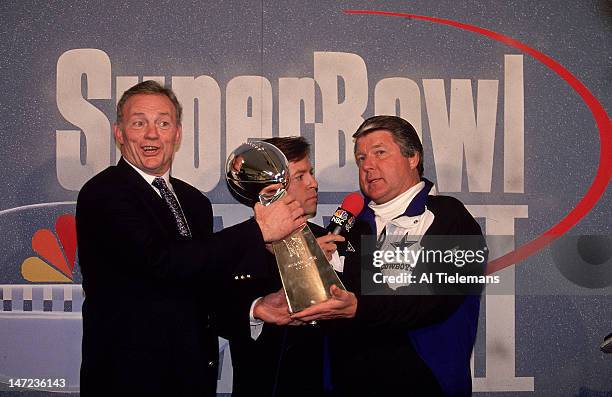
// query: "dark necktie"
[[171, 201]]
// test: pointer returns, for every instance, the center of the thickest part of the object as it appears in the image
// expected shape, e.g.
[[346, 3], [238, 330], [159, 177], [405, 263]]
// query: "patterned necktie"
[[177, 213]]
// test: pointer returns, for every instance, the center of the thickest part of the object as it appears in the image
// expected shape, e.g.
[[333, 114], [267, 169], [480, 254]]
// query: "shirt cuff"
[[256, 324], [337, 262]]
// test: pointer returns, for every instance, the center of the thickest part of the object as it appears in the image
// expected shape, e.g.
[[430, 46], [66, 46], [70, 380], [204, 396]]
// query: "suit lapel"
[[153, 203]]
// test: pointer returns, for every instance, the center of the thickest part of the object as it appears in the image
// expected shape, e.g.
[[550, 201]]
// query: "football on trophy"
[[252, 167]]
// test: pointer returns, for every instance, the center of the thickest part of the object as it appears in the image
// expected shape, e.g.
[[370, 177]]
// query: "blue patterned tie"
[[177, 213]]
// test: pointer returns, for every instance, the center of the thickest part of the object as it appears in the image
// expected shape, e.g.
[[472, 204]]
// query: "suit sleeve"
[[112, 227]]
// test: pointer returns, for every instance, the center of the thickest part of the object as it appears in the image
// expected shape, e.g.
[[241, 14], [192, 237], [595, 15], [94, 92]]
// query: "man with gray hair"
[[151, 264], [391, 338]]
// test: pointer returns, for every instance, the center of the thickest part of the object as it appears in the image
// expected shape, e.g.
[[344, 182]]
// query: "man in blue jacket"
[[399, 332]]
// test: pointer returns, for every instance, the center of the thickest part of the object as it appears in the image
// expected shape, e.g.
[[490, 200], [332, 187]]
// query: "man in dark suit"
[[284, 360], [150, 262]]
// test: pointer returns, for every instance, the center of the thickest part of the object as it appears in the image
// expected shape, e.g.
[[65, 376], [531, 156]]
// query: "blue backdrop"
[[502, 131]]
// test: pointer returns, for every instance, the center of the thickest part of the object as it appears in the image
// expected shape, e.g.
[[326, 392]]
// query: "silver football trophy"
[[305, 272]]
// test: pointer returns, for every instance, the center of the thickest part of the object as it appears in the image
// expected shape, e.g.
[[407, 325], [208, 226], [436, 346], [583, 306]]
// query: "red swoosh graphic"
[[604, 170]]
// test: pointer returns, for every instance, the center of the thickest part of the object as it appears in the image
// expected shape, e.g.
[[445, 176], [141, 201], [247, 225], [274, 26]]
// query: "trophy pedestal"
[[305, 272]]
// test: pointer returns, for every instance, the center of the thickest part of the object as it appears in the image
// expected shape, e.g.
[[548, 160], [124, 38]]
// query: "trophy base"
[[304, 270]]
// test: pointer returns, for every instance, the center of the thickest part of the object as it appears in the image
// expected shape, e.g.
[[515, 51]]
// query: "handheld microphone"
[[344, 218]]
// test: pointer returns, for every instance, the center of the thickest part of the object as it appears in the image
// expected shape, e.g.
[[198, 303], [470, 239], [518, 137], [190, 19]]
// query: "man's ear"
[[179, 136], [118, 134], [414, 160]]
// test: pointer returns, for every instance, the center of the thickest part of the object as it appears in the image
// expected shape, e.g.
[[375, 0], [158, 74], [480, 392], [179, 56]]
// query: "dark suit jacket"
[[283, 361], [148, 319]]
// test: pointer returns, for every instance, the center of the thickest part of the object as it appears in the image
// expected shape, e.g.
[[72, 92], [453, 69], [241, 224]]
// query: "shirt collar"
[[415, 207], [397, 206], [417, 204], [150, 178]]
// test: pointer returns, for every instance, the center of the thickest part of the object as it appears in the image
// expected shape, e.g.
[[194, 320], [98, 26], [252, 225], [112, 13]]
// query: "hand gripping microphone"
[[344, 218]]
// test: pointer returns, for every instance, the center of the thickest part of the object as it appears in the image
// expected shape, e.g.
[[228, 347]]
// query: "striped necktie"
[[175, 208]]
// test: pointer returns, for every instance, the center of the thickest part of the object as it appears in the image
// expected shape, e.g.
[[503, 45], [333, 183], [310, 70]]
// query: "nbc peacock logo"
[[56, 253]]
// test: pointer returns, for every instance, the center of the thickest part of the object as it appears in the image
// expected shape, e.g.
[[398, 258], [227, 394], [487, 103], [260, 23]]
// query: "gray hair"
[[149, 87], [404, 135]]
